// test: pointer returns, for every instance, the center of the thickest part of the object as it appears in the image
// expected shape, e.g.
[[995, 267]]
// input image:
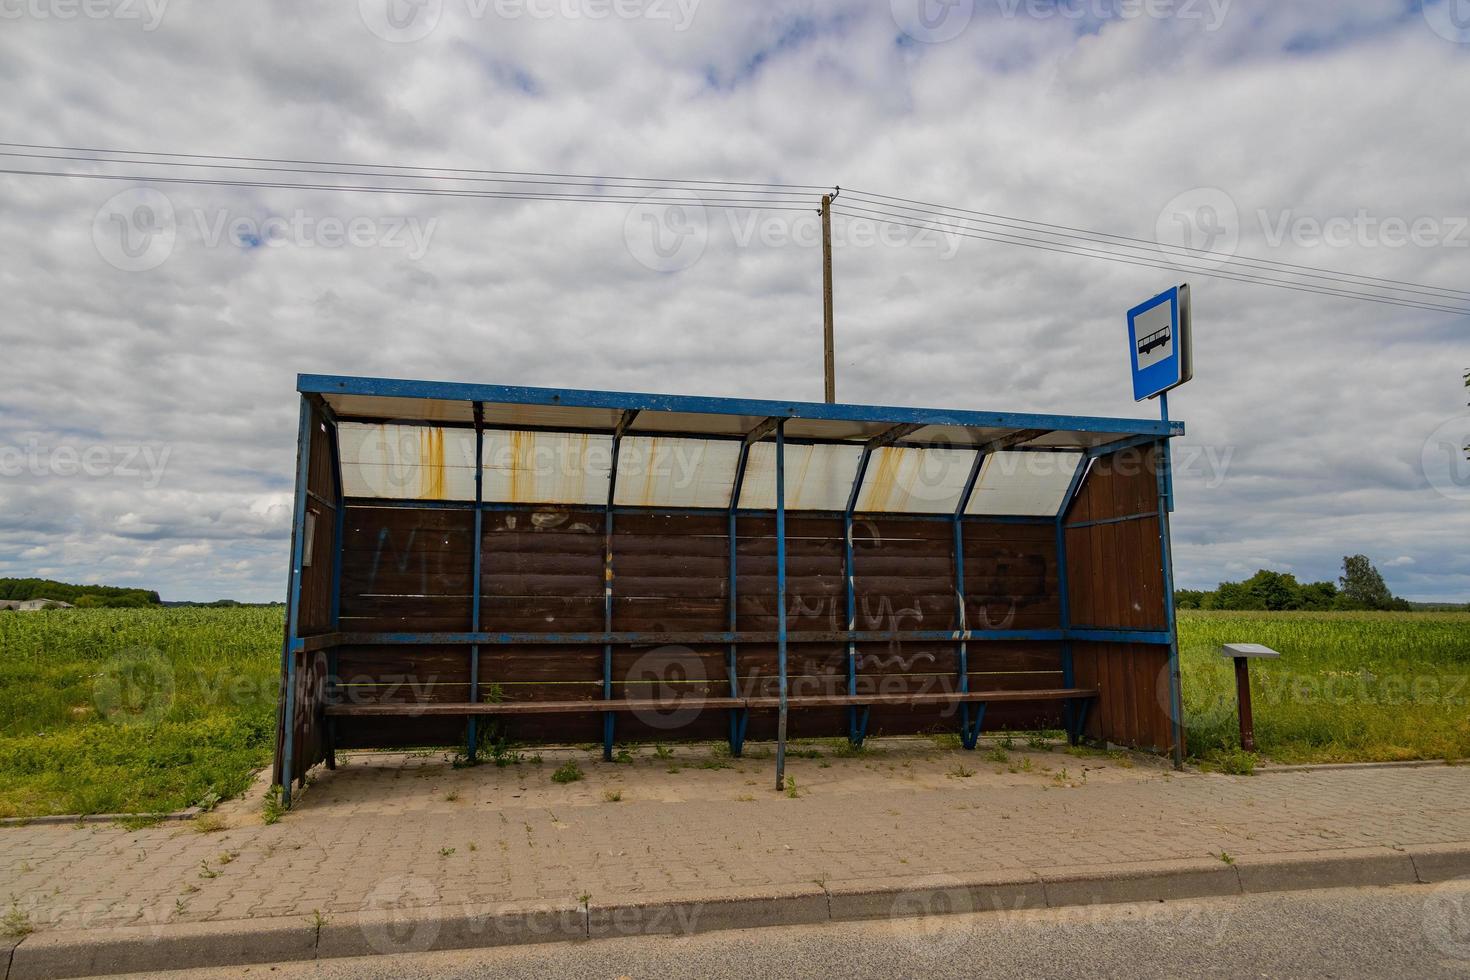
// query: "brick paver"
[[396, 830]]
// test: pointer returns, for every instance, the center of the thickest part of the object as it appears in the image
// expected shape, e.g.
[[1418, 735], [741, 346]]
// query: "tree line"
[[1360, 587], [83, 596]]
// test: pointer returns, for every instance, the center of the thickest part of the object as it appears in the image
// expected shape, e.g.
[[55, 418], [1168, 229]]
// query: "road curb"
[[742, 908], [1350, 867], [144, 949], [1143, 881], [153, 949]]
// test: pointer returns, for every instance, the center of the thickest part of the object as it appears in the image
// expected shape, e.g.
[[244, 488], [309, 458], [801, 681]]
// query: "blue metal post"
[[338, 549], [968, 737], [293, 598], [738, 716], [608, 717], [1166, 504], [781, 601], [472, 731], [856, 729], [1076, 713]]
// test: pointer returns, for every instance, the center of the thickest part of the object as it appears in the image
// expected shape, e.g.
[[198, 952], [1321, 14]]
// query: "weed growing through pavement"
[[271, 808], [612, 796], [16, 923], [567, 772], [960, 771], [209, 823]]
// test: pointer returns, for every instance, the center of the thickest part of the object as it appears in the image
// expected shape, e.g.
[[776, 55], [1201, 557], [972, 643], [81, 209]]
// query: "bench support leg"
[[970, 733], [1077, 710]]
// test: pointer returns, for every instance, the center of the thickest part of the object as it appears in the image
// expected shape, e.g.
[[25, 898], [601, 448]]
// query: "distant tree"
[[1362, 586]]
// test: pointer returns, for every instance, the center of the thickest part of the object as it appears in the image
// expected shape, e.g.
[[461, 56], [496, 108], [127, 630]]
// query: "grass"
[[134, 710], [567, 772], [145, 711], [1349, 687]]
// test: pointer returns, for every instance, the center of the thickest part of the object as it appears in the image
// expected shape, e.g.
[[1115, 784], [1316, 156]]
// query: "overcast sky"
[[147, 413]]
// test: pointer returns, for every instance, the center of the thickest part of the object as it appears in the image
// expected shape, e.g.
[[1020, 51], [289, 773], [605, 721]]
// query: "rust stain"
[[520, 461], [431, 463], [884, 492]]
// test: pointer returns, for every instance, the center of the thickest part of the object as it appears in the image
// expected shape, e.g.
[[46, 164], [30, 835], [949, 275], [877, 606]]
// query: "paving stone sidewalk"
[[397, 830]]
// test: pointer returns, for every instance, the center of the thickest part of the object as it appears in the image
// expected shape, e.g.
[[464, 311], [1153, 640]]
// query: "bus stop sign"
[[1159, 343]]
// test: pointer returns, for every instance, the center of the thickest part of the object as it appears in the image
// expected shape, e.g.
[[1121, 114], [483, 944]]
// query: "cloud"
[[1319, 408]]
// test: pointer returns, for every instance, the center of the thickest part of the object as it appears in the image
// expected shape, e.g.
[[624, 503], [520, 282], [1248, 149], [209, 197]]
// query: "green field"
[[1349, 687], [131, 710]]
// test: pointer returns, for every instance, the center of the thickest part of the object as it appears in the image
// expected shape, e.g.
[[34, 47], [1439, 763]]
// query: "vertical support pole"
[[1243, 699], [738, 716], [828, 345], [1075, 713], [293, 601], [339, 499], [855, 731], [968, 737], [607, 583], [472, 732], [1176, 702], [781, 600]]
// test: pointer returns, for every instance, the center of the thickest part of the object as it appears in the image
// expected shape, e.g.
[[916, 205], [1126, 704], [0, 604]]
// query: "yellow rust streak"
[[431, 463], [521, 449], [885, 492]]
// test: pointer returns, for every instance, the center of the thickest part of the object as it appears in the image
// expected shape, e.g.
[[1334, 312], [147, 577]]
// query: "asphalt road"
[[1411, 931]]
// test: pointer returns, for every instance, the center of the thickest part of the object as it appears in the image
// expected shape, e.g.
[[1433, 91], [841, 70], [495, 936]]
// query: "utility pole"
[[828, 351]]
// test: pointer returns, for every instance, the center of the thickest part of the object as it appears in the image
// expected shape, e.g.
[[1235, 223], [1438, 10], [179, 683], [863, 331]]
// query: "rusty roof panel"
[[546, 467], [904, 479], [657, 471], [407, 462], [817, 477]]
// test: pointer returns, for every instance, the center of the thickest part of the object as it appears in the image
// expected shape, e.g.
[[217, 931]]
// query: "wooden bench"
[[1078, 699]]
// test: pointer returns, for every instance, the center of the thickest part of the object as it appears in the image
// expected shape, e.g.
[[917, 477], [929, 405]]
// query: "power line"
[[1208, 273], [783, 194], [1024, 224], [747, 195], [457, 170], [755, 204], [1178, 263]]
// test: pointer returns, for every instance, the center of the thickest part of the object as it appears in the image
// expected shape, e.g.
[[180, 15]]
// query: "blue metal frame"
[[857, 720], [781, 601], [338, 549], [739, 717], [608, 717], [1084, 633], [293, 600], [1074, 713], [969, 734], [749, 407], [472, 729]]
